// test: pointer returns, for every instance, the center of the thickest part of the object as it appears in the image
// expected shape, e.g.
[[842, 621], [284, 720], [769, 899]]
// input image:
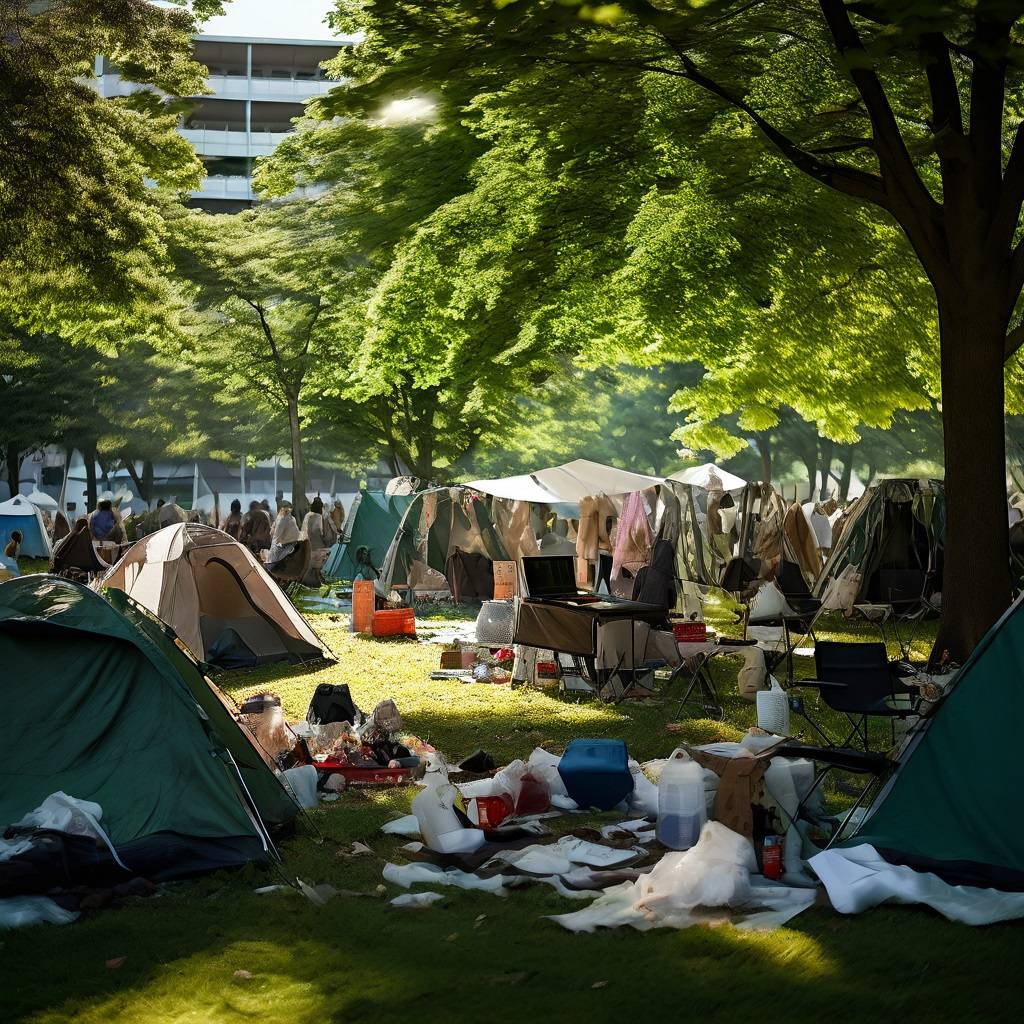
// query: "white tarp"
[[702, 476], [567, 483], [858, 878]]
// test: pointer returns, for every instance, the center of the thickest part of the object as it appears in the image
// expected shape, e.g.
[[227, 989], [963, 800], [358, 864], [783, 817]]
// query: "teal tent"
[[103, 704], [366, 536], [952, 806]]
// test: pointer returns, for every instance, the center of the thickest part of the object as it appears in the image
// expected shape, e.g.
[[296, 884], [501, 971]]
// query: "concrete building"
[[264, 61]]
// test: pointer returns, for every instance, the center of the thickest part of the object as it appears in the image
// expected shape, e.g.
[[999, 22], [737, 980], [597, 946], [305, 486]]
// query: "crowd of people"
[[95, 539]]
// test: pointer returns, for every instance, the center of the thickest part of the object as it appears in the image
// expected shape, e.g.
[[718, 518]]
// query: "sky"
[[272, 19]]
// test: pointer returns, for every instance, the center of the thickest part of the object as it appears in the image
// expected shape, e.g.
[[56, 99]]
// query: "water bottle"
[[682, 810]]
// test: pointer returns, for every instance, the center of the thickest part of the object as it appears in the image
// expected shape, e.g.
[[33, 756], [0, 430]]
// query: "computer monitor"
[[550, 576]]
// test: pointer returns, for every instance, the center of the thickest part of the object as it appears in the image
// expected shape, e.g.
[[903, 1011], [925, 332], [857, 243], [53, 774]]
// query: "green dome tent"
[[951, 807], [366, 536], [105, 706]]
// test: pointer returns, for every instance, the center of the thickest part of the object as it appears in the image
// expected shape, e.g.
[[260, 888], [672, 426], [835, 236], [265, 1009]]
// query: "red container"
[[491, 811], [687, 632], [394, 622], [547, 669]]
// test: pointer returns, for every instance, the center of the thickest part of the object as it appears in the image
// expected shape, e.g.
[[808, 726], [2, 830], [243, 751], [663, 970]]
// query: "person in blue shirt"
[[102, 521]]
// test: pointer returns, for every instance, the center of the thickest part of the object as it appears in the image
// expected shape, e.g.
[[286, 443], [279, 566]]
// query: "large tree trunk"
[[299, 504], [976, 585], [12, 459]]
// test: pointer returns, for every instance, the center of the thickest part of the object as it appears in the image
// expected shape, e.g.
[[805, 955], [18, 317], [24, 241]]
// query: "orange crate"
[[394, 622]]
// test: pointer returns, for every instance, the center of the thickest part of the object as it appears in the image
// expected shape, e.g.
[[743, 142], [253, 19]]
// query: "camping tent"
[[890, 542], [704, 476], [42, 500], [106, 708], [371, 525], [950, 808], [20, 514], [214, 594]]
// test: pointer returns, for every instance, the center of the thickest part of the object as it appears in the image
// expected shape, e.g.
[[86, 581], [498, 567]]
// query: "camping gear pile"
[[664, 866]]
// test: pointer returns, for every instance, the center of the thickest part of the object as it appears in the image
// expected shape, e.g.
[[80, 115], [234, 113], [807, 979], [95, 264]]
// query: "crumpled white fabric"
[[858, 878], [678, 892], [407, 875], [61, 813], [21, 911], [404, 826], [416, 899], [563, 857]]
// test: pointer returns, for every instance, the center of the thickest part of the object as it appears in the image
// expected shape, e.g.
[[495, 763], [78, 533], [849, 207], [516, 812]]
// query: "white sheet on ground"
[[405, 826], [711, 883], [21, 911], [859, 878], [416, 899], [563, 857], [407, 875]]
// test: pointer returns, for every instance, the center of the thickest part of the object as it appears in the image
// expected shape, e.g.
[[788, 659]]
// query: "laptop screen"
[[550, 575]]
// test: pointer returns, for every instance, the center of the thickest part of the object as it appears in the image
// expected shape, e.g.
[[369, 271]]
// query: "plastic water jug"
[[773, 709], [435, 810], [682, 809]]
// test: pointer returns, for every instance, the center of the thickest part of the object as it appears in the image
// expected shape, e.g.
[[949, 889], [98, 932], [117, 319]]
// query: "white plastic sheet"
[[858, 878], [711, 883], [21, 911]]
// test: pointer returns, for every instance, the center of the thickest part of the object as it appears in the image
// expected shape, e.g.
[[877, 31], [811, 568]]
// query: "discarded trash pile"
[[473, 663], [665, 865], [337, 745]]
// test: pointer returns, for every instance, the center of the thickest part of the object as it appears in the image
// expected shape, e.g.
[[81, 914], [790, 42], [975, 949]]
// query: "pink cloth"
[[634, 539]]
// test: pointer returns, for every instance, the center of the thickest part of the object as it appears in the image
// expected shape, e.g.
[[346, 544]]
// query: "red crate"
[[689, 632], [394, 622]]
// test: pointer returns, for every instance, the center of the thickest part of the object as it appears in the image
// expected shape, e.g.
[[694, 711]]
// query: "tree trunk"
[[89, 455], [764, 449], [825, 463], [976, 576], [12, 459], [147, 491], [844, 480], [299, 504]]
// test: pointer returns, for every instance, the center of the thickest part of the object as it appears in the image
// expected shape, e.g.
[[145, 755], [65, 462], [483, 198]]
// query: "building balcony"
[[281, 90], [225, 186], [220, 142]]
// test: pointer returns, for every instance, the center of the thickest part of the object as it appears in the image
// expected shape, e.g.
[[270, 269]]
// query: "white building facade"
[[258, 82]]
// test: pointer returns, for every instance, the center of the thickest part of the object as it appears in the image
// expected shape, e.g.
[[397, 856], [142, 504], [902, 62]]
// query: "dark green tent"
[[951, 808], [366, 536], [102, 704]]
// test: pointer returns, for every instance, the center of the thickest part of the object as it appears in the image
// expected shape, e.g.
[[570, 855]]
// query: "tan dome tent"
[[216, 596]]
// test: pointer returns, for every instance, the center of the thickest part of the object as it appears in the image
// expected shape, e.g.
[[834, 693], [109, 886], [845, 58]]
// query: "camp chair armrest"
[[818, 684]]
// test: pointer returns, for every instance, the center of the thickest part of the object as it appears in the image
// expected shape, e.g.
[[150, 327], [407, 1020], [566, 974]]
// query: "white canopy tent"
[[703, 476], [567, 483]]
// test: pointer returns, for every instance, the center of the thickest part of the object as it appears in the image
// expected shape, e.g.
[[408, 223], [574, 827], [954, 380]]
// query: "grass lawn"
[[475, 956]]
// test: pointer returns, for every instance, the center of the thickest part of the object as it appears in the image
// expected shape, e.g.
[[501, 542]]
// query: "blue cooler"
[[596, 773]]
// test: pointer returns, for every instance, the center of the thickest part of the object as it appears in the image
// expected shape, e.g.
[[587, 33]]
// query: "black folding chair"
[[828, 759], [857, 680]]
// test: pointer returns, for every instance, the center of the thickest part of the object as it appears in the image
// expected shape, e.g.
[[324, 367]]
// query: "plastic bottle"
[[434, 808], [682, 809]]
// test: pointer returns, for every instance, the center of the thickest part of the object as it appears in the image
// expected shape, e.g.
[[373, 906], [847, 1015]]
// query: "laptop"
[[550, 577]]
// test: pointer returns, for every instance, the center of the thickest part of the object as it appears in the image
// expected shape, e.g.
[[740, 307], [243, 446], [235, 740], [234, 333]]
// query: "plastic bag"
[[545, 766], [301, 783], [773, 709], [768, 603]]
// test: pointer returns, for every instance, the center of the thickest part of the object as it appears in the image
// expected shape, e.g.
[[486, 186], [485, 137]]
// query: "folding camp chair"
[[828, 759], [857, 680]]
